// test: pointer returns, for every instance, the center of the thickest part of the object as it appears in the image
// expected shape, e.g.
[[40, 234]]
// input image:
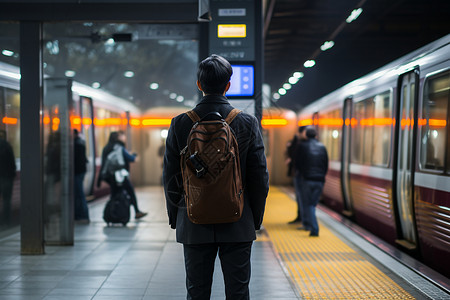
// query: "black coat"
[[7, 160], [80, 156], [311, 160], [253, 172]]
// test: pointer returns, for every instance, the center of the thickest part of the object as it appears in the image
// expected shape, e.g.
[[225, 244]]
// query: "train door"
[[404, 158], [87, 131], [345, 157]]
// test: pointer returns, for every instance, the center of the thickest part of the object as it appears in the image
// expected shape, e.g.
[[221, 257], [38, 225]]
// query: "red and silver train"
[[387, 136], [95, 113], [388, 139]]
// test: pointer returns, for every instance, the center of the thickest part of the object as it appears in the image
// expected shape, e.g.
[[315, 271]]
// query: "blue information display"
[[242, 81]]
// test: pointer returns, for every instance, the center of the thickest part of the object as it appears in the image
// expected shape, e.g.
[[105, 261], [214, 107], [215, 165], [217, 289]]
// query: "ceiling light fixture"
[[293, 80], [298, 75], [70, 73], [128, 74], [7, 52], [309, 63], [327, 45], [354, 15], [154, 86]]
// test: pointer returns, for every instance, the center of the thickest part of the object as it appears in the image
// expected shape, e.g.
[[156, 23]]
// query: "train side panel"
[[375, 193]]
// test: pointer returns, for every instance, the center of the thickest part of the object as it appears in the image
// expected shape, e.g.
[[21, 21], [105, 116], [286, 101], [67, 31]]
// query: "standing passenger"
[[119, 138], [232, 241], [80, 161], [291, 153], [7, 174], [312, 164]]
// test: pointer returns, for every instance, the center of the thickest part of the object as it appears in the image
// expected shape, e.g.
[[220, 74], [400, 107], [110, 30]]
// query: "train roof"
[[10, 78], [105, 98], [420, 57]]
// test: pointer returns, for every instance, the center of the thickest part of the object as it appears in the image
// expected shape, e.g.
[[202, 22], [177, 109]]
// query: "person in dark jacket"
[[80, 161], [119, 138], [232, 241], [291, 155], [312, 164], [7, 174]]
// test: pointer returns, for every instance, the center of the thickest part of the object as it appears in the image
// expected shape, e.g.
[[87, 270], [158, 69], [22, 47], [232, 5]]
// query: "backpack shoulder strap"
[[233, 113], [193, 115]]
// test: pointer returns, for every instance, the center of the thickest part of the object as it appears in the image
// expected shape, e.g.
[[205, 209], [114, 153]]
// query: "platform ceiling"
[[294, 31], [386, 30]]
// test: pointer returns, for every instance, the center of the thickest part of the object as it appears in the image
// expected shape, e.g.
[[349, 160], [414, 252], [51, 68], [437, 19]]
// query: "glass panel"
[[103, 128], [87, 115], [330, 126], [147, 64], [433, 124], [357, 133], [382, 129], [367, 127], [58, 162], [9, 126]]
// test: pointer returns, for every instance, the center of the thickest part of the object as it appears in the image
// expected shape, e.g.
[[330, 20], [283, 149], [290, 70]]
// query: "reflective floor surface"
[[139, 261]]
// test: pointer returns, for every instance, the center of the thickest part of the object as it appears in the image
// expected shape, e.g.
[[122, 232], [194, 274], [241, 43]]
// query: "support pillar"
[[31, 150]]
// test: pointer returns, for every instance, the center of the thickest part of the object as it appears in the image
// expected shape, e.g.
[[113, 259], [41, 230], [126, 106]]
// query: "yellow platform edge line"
[[324, 267]]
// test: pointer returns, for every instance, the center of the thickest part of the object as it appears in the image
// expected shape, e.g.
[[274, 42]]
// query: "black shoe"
[[295, 221], [314, 234]]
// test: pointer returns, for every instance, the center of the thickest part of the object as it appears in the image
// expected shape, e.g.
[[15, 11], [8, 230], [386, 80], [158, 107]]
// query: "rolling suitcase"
[[117, 209]]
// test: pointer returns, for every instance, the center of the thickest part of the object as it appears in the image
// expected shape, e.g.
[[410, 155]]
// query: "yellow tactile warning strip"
[[323, 267]]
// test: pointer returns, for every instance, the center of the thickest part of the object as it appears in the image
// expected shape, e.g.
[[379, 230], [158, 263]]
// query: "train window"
[[358, 133], [367, 130], [330, 131], [103, 129], [10, 116], [86, 113], [371, 133], [382, 129], [433, 125]]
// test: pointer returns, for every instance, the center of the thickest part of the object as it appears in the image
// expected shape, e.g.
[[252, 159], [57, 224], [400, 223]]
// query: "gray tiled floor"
[[140, 261]]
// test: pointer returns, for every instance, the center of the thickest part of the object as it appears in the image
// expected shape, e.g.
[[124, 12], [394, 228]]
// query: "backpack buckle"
[[199, 165]]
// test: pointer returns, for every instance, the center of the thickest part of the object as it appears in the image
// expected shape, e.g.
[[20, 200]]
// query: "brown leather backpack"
[[211, 171]]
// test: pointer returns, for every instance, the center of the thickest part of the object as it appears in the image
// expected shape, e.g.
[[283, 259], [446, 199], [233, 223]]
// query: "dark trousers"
[[298, 182], [81, 208], [312, 191], [6, 188], [235, 261]]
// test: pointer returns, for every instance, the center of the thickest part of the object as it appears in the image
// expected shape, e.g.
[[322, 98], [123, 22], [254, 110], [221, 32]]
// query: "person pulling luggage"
[[115, 168]]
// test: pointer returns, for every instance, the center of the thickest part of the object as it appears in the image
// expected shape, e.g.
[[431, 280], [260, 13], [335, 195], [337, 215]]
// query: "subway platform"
[[143, 261]]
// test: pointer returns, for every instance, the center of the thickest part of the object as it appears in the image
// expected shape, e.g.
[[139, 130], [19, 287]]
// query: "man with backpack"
[[216, 184]]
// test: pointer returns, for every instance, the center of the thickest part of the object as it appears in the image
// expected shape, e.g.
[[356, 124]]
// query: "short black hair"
[[311, 132], [301, 129], [213, 74]]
